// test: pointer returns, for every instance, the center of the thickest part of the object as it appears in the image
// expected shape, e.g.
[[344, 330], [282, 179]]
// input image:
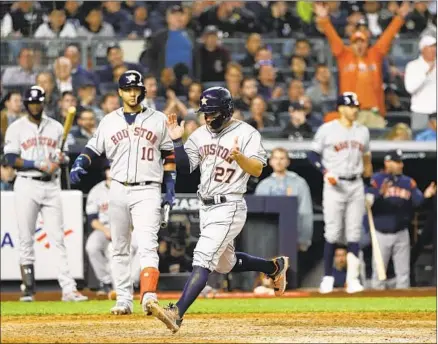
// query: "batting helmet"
[[34, 95], [217, 101], [348, 99], [133, 78]]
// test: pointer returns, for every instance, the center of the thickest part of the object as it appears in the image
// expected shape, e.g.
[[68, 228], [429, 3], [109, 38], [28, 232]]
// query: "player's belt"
[[41, 179], [135, 184], [214, 200], [349, 179]]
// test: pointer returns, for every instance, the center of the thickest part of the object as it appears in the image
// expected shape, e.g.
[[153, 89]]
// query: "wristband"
[[30, 164]]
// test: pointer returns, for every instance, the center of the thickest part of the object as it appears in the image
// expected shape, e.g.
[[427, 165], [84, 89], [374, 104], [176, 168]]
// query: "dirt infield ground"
[[248, 328], [298, 327]]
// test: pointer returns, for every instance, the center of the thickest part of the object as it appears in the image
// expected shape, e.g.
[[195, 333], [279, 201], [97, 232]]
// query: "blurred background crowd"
[[283, 62]]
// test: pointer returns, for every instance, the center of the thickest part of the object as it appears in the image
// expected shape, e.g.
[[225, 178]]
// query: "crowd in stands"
[[286, 96]]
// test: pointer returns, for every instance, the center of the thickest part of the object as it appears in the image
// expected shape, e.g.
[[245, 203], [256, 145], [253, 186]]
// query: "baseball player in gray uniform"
[[32, 146], [227, 151], [135, 140], [340, 150], [98, 244]]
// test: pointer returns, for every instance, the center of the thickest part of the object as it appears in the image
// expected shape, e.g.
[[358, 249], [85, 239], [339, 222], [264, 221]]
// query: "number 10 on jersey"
[[147, 153]]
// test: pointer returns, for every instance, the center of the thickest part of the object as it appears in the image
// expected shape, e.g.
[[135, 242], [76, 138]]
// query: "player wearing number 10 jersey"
[[135, 140]]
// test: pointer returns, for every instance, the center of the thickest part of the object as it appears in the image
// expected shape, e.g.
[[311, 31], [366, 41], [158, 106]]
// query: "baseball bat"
[[68, 123], [165, 219], [380, 266]]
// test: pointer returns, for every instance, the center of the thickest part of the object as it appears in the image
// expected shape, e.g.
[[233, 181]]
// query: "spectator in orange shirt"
[[360, 66]]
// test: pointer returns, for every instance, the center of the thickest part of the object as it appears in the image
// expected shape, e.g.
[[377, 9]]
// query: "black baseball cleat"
[[168, 315], [279, 276]]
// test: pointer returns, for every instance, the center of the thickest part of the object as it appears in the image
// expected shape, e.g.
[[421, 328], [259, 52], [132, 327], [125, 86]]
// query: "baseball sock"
[[246, 262], [329, 254], [353, 247], [193, 287]]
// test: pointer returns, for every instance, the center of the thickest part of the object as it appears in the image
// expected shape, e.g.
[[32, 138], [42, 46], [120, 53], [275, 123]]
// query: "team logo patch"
[[204, 101], [131, 77]]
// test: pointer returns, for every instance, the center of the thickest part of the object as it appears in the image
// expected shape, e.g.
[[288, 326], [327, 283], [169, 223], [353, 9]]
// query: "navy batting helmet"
[[217, 101], [133, 78], [34, 95], [348, 99]]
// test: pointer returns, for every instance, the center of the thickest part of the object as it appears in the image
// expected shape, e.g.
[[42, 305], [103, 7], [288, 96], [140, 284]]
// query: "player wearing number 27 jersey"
[[227, 152]]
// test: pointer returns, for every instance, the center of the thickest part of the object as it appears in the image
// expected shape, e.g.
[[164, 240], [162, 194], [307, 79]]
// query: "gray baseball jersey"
[[342, 148], [97, 202], [219, 174], [32, 142], [134, 150]]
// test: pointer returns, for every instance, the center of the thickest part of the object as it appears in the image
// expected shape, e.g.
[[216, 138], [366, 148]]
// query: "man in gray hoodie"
[[287, 183]]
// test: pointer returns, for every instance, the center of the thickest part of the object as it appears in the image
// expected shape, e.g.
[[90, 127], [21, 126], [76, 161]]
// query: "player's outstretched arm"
[[251, 166]]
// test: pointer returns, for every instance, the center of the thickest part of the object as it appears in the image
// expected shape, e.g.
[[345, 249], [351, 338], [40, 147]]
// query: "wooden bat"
[[68, 123], [71, 112], [381, 270]]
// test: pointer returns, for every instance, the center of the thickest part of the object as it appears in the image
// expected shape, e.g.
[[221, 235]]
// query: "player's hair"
[[281, 150]]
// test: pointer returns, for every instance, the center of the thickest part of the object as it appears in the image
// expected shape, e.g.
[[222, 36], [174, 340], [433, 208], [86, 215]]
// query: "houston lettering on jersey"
[[42, 141], [348, 144], [213, 149], [138, 131]]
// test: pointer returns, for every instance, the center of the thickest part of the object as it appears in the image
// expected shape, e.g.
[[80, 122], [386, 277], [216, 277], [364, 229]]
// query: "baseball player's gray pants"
[[31, 197], [141, 207], [343, 209], [220, 225], [99, 249], [397, 246]]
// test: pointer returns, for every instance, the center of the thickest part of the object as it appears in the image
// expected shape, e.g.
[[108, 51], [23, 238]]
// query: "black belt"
[[41, 179], [349, 179], [213, 200], [135, 184]]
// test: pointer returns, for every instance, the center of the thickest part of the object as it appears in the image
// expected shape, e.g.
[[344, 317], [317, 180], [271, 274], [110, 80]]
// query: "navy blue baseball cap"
[[394, 155], [348, 99]]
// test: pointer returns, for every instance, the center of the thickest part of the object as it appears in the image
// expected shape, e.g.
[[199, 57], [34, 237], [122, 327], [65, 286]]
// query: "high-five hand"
[[175, 131], [235, 151]]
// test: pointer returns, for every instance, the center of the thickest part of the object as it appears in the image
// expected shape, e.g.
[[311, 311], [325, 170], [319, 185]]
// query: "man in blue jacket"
[[393, 197], [287, 183]]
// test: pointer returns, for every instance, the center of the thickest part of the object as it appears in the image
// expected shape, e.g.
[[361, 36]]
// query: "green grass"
[[351, 304]]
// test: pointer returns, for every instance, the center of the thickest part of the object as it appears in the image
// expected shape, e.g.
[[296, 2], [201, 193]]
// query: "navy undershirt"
[[130, 117]]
